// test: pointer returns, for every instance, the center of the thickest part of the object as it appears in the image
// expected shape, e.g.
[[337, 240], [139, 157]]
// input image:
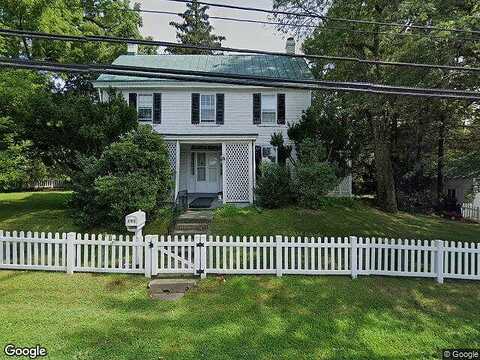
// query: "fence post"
[[439, 262], [353, 264], [71, 237], [279, 247], [367, 256], [148, 245], [203, 256]]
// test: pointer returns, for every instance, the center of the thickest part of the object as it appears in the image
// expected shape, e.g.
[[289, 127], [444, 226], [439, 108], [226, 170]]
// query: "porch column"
[[177, 169], [224, 181], [251, 152]]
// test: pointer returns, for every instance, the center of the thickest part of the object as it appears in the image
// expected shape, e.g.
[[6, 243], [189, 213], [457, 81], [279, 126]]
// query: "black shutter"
[[220, 109], [132, 100], [257, 108], [258, 161], [196, 108], [157, 108], [281, 109]]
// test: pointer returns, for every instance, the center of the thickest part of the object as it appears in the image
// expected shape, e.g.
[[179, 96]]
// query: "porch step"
[[189, 232], [196, 217], [203, 226], [193, 223]]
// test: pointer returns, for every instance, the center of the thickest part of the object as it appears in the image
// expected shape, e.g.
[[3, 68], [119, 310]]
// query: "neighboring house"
[[216, 134], [462, 179]]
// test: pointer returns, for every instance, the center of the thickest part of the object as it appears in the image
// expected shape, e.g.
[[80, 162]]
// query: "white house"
[[216, 134]]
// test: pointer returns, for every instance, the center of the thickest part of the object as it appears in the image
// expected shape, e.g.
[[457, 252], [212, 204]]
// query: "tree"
[[195, 30], [64, 128], [75, 17], [385, 114], [132, 173]]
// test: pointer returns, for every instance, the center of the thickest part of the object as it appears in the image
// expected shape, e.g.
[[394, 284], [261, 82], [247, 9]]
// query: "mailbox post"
[[135, 222]]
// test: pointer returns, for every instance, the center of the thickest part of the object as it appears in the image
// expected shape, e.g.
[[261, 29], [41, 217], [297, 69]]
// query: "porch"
[[212, 170]]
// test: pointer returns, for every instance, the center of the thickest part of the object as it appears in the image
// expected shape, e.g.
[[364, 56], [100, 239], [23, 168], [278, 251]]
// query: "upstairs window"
[[269, 109], [207, 108], [145, 107]]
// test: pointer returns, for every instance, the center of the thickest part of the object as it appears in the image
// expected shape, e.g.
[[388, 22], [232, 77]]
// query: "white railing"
[[344, 189], [276, 255], [48, 184], [471, 212]]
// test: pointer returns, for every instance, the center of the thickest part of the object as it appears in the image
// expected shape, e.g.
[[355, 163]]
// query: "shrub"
[[314, 176], [313, 182], [132, 173], [274, 186]]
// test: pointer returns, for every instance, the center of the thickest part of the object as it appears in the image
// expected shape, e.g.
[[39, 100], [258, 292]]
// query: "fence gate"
[[175, 255]]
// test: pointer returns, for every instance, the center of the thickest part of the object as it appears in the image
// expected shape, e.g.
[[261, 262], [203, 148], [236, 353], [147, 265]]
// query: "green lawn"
[[360, 220], [48, 211], [86, 316]]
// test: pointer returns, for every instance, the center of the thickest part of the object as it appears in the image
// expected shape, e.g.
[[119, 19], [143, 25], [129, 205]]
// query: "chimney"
[[290, 47], [132, 49]]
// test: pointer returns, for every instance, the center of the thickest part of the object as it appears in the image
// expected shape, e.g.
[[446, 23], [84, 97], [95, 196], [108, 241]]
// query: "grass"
[[49, 212], [361, 219], [86, 316]]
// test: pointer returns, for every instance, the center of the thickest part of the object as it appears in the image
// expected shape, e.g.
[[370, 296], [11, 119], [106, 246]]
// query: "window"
[[269, 109], [207, 108], [145, 107], [452, 194], [201, 167], [270, 153]]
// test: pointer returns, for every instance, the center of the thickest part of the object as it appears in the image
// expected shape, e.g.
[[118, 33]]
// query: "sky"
[[245, 35]]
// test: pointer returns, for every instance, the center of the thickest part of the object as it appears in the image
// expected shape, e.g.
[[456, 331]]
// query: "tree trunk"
[[440, 158], [386, 195]]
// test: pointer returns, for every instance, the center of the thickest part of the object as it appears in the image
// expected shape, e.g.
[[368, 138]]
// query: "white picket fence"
[[276, 255], [47, 184], [471, 212]]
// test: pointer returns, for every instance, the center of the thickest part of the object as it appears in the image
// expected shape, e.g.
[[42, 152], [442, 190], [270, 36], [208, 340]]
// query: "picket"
[[471, 212], [202, 255]]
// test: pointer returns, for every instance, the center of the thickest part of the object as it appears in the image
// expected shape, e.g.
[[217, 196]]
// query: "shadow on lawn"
[[288, 318]]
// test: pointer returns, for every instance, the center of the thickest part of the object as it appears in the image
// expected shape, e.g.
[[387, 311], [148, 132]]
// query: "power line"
[[327, 28], [97, 38], [244, 80], [323, 17]]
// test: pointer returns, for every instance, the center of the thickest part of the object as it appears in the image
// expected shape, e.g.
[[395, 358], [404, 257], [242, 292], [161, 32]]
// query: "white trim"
[[208, 139], [250, 173], [177, 170], [176, 85]]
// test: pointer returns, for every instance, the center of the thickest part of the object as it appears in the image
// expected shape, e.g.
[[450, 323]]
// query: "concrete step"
[[192, 226], [189, 232], [195, 217]]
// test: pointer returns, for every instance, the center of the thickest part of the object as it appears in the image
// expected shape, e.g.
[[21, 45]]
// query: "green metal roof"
[[280, 67]]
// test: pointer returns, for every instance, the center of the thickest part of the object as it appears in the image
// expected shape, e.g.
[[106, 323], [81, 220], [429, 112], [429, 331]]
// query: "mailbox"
[[135, 221]]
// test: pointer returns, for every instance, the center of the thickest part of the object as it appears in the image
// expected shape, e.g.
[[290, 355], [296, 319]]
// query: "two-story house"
[[216, 134]]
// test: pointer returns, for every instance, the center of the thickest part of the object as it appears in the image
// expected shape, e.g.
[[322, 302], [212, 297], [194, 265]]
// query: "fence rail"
[[471, 212], [277, 255]]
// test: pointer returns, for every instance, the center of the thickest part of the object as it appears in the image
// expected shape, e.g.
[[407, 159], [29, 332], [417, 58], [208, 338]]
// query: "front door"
[[207, 174]]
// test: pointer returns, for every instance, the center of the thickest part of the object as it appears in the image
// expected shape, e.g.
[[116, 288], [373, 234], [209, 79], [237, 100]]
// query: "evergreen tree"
[[195, 30]]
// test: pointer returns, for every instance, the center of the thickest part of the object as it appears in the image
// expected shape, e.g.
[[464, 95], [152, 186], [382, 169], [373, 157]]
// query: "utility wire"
[[234, 79], [323, 17], [111, 39], [327, 28]]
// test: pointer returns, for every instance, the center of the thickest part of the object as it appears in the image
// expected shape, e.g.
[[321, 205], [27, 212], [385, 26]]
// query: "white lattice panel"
[[172, 154], [237, 166]]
